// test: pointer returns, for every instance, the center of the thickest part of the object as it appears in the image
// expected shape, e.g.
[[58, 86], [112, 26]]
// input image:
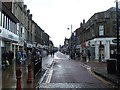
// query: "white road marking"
[[93, 74]]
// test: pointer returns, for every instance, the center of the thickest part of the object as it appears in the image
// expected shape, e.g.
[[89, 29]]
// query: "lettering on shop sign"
[[29, 46], [0, 30], [115, 40], [10, 36]]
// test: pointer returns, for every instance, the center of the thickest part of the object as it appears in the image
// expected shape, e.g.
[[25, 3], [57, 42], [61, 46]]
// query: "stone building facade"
[[97, 34], [8, 30], [18, 30]]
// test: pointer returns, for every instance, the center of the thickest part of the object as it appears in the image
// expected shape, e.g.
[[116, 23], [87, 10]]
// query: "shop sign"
[[29, 45], [115, 40], [10, 36], [0, 31]]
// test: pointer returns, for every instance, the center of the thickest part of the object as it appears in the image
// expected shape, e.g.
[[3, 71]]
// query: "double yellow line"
[[49, 76], [100, 78], [91, 71]]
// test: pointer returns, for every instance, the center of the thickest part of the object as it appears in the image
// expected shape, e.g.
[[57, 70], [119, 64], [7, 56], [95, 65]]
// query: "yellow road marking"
[[96, 76], [100, 78], [49, 76]]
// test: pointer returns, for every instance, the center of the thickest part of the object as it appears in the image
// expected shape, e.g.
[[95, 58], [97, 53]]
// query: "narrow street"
[[66, 73], [58, 44]]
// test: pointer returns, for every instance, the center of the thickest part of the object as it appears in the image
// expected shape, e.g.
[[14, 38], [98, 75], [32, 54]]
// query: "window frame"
[[101, 30]]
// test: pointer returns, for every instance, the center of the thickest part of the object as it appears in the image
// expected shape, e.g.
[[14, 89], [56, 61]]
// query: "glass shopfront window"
[[9, 25], [2, 20]]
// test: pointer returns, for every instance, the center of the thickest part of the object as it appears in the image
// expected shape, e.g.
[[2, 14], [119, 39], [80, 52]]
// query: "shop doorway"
[[101, 52]]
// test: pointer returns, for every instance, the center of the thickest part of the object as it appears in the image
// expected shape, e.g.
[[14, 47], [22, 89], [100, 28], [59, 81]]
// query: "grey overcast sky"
[[55, 16]]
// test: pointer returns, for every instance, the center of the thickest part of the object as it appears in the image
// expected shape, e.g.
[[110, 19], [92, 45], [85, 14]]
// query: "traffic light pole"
[[117, 28]]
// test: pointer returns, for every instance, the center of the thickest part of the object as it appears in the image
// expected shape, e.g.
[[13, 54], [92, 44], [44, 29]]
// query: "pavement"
[[9, 75], [100, 68]]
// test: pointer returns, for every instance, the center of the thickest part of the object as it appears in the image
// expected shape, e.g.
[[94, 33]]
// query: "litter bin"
[[111, 66]]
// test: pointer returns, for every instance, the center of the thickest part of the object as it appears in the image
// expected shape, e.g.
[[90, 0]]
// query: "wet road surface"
[[70, 74]]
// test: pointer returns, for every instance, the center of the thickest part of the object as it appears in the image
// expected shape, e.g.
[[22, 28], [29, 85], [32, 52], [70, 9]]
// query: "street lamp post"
[[70, 40], [117, 28]]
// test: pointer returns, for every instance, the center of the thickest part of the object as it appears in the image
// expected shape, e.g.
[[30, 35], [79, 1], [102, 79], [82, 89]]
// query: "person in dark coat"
[[10, 56], [89, 55], [84, 56], [53, 52], [18, 56], [4, 59]]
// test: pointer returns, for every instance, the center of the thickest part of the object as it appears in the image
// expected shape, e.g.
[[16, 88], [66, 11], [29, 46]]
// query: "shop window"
[[15, 28], [2, 19], [9, 24], [4, 22]]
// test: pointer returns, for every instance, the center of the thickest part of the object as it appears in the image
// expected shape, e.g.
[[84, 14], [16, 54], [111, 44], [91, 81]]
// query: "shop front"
[[103, 49], [7, 39]]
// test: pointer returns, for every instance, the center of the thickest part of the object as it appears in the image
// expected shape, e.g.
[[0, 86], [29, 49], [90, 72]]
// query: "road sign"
[[115, 40]]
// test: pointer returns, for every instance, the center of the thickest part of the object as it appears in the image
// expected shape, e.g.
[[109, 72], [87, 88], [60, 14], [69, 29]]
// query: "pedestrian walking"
[[5, 62], [23, 57], [29, 55], [89, 55], [78, 54], [39, 55], [18, 56], [53, 52], [84, 56], [10, 57]]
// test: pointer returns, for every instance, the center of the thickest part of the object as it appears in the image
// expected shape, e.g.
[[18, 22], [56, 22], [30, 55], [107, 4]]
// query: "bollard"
[[29, 79], [18, 76]]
